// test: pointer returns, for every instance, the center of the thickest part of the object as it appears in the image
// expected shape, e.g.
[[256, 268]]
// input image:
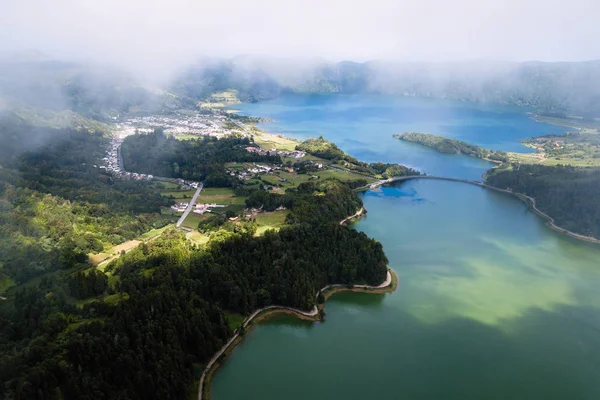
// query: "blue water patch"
[[363, 125]]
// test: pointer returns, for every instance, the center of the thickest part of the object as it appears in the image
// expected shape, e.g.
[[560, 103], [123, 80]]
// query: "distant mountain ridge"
[[105, 93], [570, 87]]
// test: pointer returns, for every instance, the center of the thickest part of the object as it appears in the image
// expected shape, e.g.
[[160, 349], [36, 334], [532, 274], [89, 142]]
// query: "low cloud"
[[158, 37]]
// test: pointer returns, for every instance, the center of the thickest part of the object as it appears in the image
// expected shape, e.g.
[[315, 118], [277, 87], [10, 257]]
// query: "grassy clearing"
[[274, 219], [192, 220], [75, 325], [169, 186], [234, 320], [96, 259], [576, 159], [279, 142], [341, 175], [179, 194], [208, 192], [197, 237], [109, 299], [270, 220], [5, 283], [153, 233]]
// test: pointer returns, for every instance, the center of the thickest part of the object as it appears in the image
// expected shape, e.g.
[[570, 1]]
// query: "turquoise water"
[[363, 125], [491, 305]]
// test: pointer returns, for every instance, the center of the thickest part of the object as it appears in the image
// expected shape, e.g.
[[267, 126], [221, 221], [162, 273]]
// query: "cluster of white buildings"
[[273, 152], [187, 185], [113, 162], [179, 124], [251, 172], [200, 208]]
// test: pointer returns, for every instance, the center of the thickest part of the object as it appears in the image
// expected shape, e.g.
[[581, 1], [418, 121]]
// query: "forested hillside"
[[172, 299], [552, 87], [141, 326], [56, 206], [570, 195], [200, 159]]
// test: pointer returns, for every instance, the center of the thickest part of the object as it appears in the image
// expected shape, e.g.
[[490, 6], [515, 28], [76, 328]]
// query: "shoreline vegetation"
[[528, 200], [561, 176], [452, 146], [315, 315], [355, 216]]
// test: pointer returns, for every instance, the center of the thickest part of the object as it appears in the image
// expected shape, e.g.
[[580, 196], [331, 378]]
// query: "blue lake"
[[491, 304], [363, 125]]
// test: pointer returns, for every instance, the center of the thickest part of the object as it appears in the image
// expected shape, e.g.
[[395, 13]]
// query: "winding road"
[[190, 206], [527, 199], [311, 313]]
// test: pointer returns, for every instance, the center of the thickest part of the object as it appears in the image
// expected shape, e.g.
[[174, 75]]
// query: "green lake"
[[491, 304]]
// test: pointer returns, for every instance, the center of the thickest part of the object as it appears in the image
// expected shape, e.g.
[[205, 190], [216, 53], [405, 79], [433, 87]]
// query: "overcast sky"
[[140, 31]]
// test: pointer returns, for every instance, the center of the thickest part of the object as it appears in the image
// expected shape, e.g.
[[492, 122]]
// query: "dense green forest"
[[200, 159], [570, 195], [139, 327], [311, 202], [451, 146], [56, 206], [170, 309]]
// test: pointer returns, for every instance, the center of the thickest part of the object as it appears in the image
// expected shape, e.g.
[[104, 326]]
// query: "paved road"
[[312, 313], [190, 206], [528, 200]]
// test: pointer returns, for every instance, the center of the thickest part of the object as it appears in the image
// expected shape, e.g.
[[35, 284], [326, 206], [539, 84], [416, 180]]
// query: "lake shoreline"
[[315, 315], [528, 200], [359, 214]]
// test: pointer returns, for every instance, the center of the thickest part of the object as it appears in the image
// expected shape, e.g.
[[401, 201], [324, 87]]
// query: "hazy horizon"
[[162, 36]]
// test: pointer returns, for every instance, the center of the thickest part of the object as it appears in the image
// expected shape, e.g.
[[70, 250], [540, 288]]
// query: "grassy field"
[[96, 259], [179, 195], [153, 233], [5, 283], [109, 299], [293, 180], [192, 220], [197, 237], [270, 220], [220, 196], [210, 192], [109, 254], [270, 141], [342, 175], [234, 319], [169, 186]]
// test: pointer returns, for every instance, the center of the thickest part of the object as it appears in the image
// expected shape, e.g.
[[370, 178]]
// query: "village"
[[113, 163], [199, 208], [182, 124]]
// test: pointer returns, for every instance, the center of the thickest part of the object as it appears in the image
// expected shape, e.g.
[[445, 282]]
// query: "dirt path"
[[355, 215], [311, 313]]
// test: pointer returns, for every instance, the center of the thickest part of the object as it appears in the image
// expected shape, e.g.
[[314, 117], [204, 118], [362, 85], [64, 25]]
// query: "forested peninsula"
[[452, 146], [570, 195]]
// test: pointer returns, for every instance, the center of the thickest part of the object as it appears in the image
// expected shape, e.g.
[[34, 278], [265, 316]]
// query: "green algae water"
[[491, 304]]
